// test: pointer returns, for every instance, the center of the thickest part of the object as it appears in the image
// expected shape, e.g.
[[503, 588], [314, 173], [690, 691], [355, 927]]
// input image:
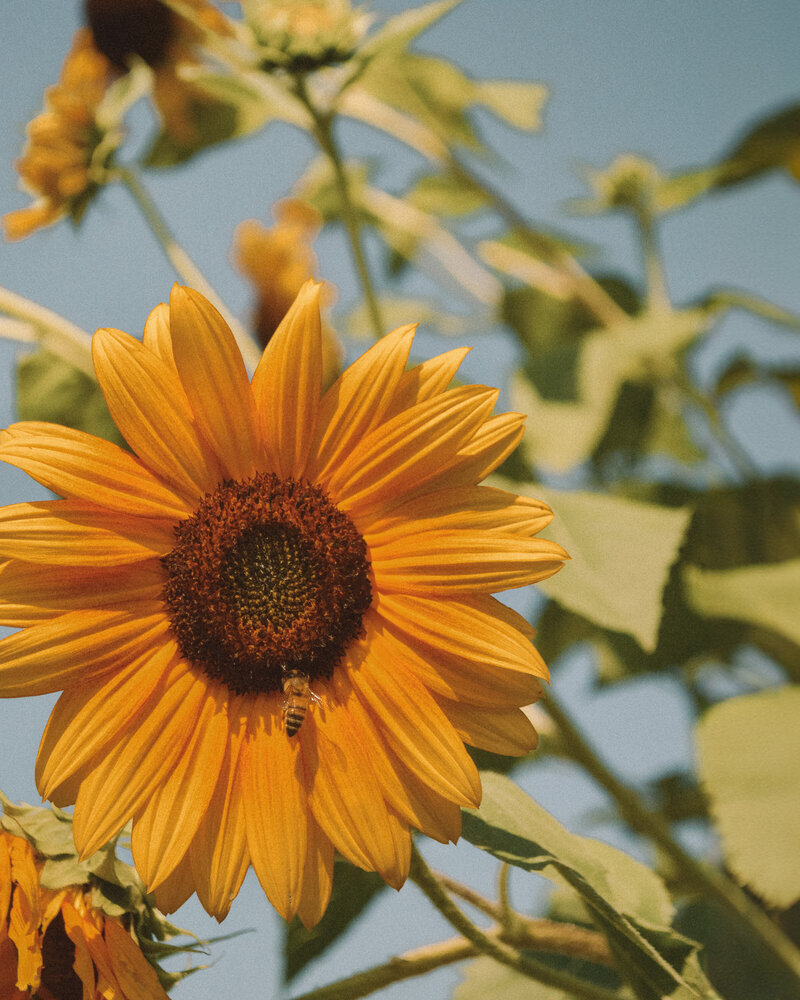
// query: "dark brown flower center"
[[267, 576], [123, 28], [59, 979]]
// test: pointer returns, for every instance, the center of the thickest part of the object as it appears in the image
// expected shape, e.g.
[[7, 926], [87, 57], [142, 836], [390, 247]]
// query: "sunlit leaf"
[[487, 978], [750, 767], [404, 27], [517, 102], [722, 299], [446, 194]]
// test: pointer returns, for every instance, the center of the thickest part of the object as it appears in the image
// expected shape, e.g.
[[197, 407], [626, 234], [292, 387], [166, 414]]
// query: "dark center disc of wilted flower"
[[122, 28], [267, 576], [59, 978]]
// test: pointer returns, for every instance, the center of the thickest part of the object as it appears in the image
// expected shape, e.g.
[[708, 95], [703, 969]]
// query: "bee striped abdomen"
[[296, 699]]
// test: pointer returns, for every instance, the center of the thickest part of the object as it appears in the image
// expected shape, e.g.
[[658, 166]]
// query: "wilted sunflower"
[[56, 943], [264, 538]]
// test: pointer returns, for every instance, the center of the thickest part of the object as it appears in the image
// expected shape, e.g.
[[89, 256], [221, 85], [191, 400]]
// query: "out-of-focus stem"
[[49, 330], [704, 879], [184, 265]]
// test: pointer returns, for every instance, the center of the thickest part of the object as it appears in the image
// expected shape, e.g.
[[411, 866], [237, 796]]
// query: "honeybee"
[[297, 696]]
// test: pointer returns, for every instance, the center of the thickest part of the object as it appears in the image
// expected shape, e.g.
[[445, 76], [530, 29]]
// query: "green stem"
[[323, 131], [183, 263], [703, 879], [51, 331], [657, 294], [490, 945]]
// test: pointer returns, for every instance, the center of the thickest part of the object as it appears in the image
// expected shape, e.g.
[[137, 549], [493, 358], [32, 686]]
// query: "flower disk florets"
[[267, 576]]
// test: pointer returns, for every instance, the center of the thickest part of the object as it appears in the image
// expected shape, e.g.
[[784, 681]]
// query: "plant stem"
[[323, 131], [704, 879], [183, 263], [657, 295], [492, 946], [51, 331]]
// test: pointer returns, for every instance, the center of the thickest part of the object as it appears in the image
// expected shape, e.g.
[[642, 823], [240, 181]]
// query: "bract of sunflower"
[[272, 620]]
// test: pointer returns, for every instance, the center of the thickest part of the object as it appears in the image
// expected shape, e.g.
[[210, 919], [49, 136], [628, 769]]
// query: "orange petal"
[[491, 445], [464, 651], [77, 533], [163, 832], [91, 716], [288, 382], [358, 401], [506, 731], [146, 400], [318, 877], [134, 973], [121, 783], [462, 562], [463, 508], [219, 856], [78, 465], [426, 380], [176, 888], [404, 453], [275, 805], [345, 796], [91, 963], [157, 337], [31, 595], [75, 647], [413, 723], [215, 381]]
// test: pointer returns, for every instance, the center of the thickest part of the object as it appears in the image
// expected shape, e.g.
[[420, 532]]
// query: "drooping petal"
[[121, 783], [78, 465], [358, 401], [463, 508], [77, 533], [163, 832], [176, 888], [90, 716], [75, 647], [215, 381], [451, 563], [134, 973], [29, 595], [146, 400], [463, 651], [408, 450], [318, 877], [275, 805], [219, 856], [288, 382], [506, 731], [345, 796]]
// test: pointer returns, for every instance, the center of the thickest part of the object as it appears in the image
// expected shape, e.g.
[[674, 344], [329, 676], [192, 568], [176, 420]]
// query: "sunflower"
[[270, 560], [54, 943]]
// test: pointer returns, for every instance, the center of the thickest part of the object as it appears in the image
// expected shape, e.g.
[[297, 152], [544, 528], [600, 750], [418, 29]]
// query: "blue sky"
[[676, 82]]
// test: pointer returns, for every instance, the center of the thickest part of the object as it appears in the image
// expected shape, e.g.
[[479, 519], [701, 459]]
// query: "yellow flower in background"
[[270, 560], [277, 261], [58, 164], [55, 943]]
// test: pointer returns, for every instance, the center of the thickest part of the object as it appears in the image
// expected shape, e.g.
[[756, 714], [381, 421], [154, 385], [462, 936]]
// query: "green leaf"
[[51, 389], [749, 751], [766, 595], [621, 552], [445, 194], [404, 27], [487, 978], [353, 890], [722, 299], [628, 901], [772, 142], [517, 102]]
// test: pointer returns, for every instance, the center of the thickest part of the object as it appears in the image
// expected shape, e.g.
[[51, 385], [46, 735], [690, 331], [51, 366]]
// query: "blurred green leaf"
[[404, 27], [621, 553], [749, 751], [446, 194], [485, 978], [722, 299], [353, 890], [766, 595], [53, 390], [770, 143], [517, 102]]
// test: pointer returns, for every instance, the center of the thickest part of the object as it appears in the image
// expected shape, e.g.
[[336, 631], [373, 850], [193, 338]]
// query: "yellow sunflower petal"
[[462, 562], [318, 878], [215, 381], [163, 832], [91, 715], [81, 466], [358, 401], [287, 384], [345, 796], [75, 647], [91, 963], [491, 445], [76, 533], [134, 973], [31, 595], [461, 650], [506, 731], [219, 856], [121, 783], [464, 508], [274, 796], [426, 380], [176, 888], [146, 400], [408, 450], [413, 723], [157, 337]]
